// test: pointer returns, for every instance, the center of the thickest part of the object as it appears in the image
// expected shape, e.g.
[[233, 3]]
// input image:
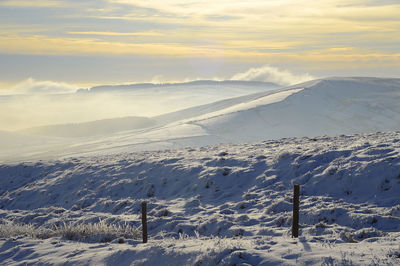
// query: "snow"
[[203, 251], [243, 106], [18, 112], [331, 106], [99, 127], [223, 204], [217, 177]]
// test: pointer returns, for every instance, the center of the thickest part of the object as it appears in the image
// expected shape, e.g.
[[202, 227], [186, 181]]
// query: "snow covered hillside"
[[331, 106], [224, 204], [320, 107], [99, 127], [33, 109]]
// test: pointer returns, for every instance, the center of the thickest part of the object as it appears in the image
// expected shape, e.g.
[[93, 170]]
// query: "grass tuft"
[[92, 232]]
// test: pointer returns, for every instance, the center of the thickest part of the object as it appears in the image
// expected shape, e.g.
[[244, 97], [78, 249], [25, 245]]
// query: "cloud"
[[32, 86], [36, 3], [110, 33], [268, 73], [45, 45]]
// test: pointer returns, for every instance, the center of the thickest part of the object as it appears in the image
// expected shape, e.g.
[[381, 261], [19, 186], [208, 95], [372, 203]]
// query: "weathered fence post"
[[144, 221], [296, 204]]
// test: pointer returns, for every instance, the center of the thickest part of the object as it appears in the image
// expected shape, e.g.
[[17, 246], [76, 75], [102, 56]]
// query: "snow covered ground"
[[224, 204], [217, 176]]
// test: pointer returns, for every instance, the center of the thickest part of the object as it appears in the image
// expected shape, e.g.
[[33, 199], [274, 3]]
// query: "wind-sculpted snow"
[[219, 204]]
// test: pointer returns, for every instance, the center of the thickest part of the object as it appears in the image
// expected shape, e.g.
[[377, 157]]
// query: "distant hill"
[[208, 83], [17, 140], [330, 106], [93, 128]]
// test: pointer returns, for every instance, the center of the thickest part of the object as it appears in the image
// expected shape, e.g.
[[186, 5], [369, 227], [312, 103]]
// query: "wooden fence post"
[[296, 204], [144, 221]]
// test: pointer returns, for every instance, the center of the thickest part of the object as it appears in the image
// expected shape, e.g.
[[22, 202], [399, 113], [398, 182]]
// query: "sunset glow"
[[127, 40]]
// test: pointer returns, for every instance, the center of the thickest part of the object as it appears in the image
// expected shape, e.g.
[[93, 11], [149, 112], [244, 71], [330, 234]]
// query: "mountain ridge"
[[105, 88]]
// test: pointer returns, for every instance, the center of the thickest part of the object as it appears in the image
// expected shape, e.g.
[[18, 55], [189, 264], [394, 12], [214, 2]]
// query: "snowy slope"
[[38, 109], [225, 204], [331, 106], [323, 107], [98, 127]]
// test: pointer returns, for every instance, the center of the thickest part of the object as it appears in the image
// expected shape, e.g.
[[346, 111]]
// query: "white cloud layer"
[[32, 86], [268, 73]]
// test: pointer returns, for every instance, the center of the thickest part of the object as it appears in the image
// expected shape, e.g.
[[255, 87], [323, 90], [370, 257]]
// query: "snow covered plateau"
[[218, 180]]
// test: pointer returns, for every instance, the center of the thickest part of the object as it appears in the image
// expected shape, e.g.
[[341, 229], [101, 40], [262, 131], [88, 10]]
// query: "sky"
[[89, 42]]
